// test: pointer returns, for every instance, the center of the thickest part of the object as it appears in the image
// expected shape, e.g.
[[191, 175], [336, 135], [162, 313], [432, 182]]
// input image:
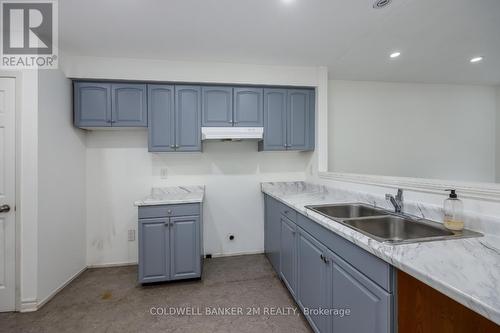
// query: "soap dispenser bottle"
[[453, 212]]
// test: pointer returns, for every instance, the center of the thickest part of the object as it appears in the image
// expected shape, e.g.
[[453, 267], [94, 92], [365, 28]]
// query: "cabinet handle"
[[230, 121], [324, 258], [169, 211], [172, 146], [166, 224], [176, 146]]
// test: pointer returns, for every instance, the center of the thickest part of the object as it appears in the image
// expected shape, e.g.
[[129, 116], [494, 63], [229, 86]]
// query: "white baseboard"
[[233, 254], [61, 287], [115, 264], [28, 305]]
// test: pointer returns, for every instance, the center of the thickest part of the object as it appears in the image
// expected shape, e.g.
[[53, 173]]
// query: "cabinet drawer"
[[169, 210], [373, 267], [288, 212]]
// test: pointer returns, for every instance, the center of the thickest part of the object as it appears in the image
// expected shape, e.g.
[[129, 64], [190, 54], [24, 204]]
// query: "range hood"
[[232, 133]]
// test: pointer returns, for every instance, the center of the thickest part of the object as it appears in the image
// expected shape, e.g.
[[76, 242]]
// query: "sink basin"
[[347, 211], [398, 229], [385, 226]]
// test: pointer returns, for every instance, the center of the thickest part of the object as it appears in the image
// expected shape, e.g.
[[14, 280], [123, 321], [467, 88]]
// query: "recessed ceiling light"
[[381, 3], [395, 54], [287, 1], [476, 59]]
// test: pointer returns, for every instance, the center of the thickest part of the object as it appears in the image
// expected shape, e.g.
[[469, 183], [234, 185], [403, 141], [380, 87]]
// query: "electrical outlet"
[[131, 235], [163, 173]]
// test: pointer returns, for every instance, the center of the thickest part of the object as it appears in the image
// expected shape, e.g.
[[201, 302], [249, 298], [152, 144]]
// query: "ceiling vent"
[[381, 3]]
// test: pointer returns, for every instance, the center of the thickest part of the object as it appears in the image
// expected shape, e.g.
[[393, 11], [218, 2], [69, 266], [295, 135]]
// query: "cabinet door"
[[92, 104], [154, 261], [129, 106], [248, 107], [312, 120], [288, 253], [217, 107], [298, 119], [369, 305], [188, 118], [185, 252], [313, 279], [273, 232], [161, 127], [274, 119]]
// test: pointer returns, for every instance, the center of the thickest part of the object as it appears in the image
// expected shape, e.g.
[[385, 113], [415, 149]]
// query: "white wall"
[[412, 130], [120, 170], [61, 186], [498, 137], [27, 193]]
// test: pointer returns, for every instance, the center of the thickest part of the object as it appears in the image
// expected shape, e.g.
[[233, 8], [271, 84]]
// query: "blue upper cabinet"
[[92, 104], [274, 120], [217, 106], [187, 118], [129, 105], [174, 114], [288, 119], [174, 118], [248, 107], [161, 105], [312, 120], [298, 119], [101, 104]]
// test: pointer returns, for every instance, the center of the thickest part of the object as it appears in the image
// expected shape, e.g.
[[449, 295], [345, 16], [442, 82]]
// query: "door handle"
[[4, 208]]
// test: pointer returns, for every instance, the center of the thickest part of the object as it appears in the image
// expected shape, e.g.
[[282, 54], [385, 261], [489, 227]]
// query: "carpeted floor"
[[236, 294]]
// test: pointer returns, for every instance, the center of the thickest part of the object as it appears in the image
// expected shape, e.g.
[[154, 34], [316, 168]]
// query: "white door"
[[7, 194]]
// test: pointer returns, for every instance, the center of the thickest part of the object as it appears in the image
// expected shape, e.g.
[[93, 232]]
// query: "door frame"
[[17, 76]]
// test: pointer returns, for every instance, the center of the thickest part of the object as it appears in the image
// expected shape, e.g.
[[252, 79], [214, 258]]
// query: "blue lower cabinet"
[[154, 239], [185, 247], [272, 226], [288, 253], [170, 246], [313, 280], [369, 305], [338, 286]]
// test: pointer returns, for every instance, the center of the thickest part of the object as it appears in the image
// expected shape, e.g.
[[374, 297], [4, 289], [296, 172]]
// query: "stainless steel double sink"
[[388, 227]]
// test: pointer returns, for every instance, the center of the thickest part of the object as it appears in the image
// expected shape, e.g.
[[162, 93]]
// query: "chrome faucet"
[[397, 201]]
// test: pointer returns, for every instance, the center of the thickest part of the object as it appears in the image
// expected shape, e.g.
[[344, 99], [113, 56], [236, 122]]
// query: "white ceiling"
[[436, 37]]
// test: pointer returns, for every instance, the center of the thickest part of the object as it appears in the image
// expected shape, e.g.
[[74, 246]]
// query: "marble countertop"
[[173, 195], [466, 270]]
